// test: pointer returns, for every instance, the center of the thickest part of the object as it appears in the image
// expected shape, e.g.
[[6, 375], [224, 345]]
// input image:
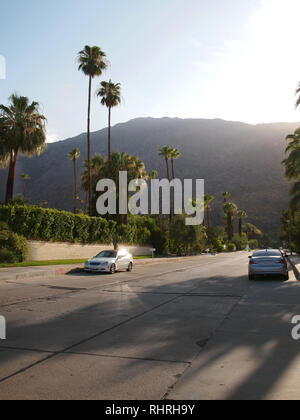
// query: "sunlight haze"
[[235, 60]]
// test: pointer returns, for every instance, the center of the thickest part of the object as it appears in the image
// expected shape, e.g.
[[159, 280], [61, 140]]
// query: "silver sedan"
[[268, 262], [110, 262]]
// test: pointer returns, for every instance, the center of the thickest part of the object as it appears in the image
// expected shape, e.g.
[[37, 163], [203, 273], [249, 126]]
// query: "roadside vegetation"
[[23, 132]]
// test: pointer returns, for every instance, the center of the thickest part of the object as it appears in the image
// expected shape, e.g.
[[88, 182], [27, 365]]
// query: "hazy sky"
[[233, 59]]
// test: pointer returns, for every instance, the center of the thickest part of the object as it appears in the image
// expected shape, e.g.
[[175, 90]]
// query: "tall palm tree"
[[73, 156], [174, 154], [241, 216], [292, 166], [295, 193], [165, 152], [208, 199], [226, 196], [110, 94], [23, 131], [25, 178], [230, 209], [292, 162], [92, 62]]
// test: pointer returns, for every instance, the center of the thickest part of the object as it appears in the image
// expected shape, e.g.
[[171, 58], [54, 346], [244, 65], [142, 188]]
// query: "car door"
[[121, 261]]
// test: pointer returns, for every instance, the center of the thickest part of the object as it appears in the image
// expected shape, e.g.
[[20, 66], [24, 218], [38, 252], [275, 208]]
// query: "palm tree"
[[111, 97], [207, 208], [152, 174], [230, 209], [22, 132], [292, 166], [25, 178], [98, 170], [226, 196], [292, 162], [74, 155], [174, 154], [241, 216], [165, 152], [295, 193], [92, 62]]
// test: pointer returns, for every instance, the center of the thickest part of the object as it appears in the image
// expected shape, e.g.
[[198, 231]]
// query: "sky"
[[236, 59]]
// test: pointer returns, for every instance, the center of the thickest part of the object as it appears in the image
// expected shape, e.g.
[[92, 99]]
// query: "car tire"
[[130, 268], [112, 269], [287, 277]]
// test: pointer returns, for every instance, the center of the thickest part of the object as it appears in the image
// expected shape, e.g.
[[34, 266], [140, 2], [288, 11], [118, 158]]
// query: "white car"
[[110, 262]]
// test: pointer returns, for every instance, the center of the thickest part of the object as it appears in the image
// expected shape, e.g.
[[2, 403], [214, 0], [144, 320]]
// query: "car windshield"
[[267, 254], [107, 254]]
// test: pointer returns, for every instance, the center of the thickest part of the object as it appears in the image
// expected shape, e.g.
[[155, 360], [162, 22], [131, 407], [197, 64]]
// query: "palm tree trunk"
[[173, 170], [109, 143], [75, 187], [11, 177], [208, 223], [89, 147], [240, 228], [168, 171]]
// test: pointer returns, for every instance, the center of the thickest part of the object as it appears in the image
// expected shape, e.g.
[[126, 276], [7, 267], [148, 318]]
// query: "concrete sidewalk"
[[19, 273]]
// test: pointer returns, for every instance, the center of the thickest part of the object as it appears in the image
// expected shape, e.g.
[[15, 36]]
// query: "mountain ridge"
[[242, 158]]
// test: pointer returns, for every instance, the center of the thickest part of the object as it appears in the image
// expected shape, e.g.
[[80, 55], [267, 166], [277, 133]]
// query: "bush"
[[231, 247], [253, 244], [14, 247], [217, 245], [240, 242], [7, 256]]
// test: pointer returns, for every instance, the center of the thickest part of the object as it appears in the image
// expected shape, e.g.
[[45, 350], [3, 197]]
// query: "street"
[[193, 329]]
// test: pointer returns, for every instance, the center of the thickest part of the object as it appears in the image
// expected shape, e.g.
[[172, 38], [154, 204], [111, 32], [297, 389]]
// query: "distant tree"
[[252, 231], [208, 199], [73, 156], [92, 62], [174, 155], [110, 94], [241, 216], [25, 178], [230, 209], [22, 131], [226, 196], [166, 152], [152, 174], [98, 170]]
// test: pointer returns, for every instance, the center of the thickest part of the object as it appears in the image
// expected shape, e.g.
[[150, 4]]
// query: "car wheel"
[[287, 277], [113, 269], [130, 267]]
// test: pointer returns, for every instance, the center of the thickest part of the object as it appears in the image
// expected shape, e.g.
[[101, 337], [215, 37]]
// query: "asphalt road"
[[194, 329]]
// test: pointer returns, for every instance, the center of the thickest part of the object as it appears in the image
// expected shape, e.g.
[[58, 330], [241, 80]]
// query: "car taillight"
[[282, 261], [253, 262]]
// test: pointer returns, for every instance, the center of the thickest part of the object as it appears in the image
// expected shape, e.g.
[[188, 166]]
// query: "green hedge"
[[36, 223], [40, 224]]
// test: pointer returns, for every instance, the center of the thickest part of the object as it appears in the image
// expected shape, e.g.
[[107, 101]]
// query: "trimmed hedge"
[[41, 224]]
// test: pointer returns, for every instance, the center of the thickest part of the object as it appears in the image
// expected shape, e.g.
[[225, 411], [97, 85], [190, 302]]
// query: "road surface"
[[193, 329]]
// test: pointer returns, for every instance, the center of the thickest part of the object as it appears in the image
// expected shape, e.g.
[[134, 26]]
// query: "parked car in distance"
[[110, 262], [268, 262]]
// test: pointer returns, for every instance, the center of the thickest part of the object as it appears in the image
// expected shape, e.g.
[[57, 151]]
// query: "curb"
[[295, 269]]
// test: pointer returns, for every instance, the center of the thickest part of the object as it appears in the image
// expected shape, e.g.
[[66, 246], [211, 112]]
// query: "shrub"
[[231, 247], [253, 244], [240, 242], [7, 256]]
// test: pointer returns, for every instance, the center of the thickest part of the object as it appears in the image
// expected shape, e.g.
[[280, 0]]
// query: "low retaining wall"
[[45, 251]]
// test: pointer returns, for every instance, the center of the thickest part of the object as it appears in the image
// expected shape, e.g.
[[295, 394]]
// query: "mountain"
[[231, 156]]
